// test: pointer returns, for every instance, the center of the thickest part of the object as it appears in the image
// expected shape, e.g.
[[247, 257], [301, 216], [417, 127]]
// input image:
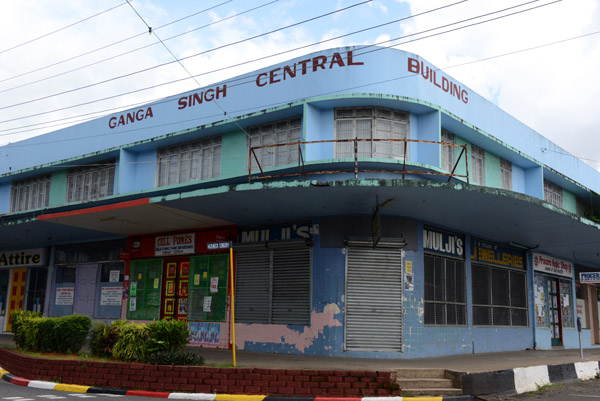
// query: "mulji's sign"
[[548, 264], [443, 242], [495, 254], [263, 79], [178, 244], [24, 258], [278, 233]]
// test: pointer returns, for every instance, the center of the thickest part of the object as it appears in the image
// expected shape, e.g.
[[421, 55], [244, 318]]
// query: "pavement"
[[472, 365]]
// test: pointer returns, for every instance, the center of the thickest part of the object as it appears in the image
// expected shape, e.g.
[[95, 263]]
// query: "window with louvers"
[[279, 132], [499, 296], [91, 182], [447, 151], [190, 161], [478, 165], [273, 286], [445, 299], [553, 193], [506, 174], [31, 193]]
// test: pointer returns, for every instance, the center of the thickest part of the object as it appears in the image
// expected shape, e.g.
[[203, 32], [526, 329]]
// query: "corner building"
[[377, 207]]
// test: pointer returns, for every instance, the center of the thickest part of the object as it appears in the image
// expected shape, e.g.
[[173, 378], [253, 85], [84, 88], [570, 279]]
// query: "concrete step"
[[425, 383], [425, 373], [431, 392]]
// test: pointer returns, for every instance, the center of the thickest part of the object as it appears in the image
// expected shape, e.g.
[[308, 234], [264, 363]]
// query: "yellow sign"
[[408, 267]]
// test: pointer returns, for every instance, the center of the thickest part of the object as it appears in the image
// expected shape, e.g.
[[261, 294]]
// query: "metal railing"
[[303, 172]]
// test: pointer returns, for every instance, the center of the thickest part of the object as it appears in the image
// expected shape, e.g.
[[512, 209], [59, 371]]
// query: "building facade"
[[376, 207]]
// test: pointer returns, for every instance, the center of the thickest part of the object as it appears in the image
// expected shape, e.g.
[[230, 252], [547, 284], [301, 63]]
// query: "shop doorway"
[[555, 315], [17, 293], [175, 290]]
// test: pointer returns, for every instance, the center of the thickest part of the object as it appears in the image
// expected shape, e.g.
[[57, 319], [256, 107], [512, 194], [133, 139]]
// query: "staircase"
[[428, 382]]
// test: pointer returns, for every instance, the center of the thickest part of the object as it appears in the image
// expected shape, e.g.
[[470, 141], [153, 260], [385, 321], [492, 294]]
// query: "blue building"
[[377, 207]]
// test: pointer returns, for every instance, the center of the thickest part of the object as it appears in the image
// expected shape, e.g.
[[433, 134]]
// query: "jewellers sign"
[[178, 244], [548, 264]]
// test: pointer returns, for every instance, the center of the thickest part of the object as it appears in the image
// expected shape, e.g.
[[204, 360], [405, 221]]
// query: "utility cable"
[[60, 29], [183, 58]]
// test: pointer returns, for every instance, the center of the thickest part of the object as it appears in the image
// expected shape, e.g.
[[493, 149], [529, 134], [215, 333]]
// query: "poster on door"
[[111, 296], [65, 296], [206, 334]]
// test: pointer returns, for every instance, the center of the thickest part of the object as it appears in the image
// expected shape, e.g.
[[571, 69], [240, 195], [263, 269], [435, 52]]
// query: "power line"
[[130, 51], [61, 29], [320, 42], [184, 58]]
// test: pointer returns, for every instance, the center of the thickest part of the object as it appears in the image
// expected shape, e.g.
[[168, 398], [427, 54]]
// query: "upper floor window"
[[447, 151], [91, 182], [31, 193], [279, 132], [583, 207], [190, 161], [478, 165], [371, 123], [553, 194], [506, 174]]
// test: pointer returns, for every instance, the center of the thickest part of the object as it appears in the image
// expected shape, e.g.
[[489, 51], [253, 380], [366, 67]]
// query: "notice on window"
[[214, 284], [111, 296], [409, 282], [196, 279], [133, 289], [65, 296], [132, 304], [114, 276], [206, 305]]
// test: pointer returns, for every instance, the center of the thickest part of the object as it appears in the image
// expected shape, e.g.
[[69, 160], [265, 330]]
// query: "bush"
[[175, 358], [131, 342], [167, 335], [103, 337], [17, 319], [70, 333]]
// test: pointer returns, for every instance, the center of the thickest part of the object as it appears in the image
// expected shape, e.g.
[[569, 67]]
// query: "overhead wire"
[[313, 44]]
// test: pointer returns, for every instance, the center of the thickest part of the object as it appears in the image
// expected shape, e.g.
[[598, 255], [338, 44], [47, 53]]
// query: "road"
[[13, 392], [588, 390]]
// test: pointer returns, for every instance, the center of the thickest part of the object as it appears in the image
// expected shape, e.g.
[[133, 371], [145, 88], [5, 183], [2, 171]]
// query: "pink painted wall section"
[[272, 333]]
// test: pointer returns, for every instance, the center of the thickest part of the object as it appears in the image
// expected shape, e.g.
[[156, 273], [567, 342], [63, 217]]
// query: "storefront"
[[588, 301], [553, 290], [87, 279], [183, 276], [23, 275]]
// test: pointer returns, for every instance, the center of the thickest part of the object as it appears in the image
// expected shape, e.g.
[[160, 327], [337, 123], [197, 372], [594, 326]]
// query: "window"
[[91, 182], [191, 161], [447, 151], [445, 300], [280, 132], [499, 296], [582, 207], [108, 301], [371, 123], [506, 174], [553, 193], [36, 289], [478, 165], [273, 286], [32, 193]]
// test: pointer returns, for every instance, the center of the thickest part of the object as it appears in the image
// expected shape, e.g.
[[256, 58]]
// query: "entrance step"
[[428, 382]]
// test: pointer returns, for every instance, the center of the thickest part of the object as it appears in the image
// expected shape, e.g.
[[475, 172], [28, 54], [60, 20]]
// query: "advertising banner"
[[496, 254], [548, 264], [178, 244]]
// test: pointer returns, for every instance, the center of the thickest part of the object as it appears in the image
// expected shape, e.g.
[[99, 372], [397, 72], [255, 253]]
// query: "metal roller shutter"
[[291, 286], [373, 299], [252, 287]]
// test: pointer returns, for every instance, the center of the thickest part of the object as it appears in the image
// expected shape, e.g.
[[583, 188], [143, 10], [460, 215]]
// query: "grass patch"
[[541, 390], [69, 357]]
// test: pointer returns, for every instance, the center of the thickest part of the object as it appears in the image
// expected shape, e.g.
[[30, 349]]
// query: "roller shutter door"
[[373, 299], [252, 287]]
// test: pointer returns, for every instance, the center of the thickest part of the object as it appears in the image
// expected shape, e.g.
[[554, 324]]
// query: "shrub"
[[70, 333], [17, 319], [167, 335], [175, 358], [131, 342], [103, 337]]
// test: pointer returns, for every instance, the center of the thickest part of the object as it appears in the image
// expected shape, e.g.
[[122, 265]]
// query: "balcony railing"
[[254, 160]]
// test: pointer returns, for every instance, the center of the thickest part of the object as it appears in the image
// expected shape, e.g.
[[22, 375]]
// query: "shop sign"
[[65, 296], [111, 296], [589, 278], [178, 244], [548, 264], [24, 258], [278, 233], [213, 246], [443, 242], [495, 254]]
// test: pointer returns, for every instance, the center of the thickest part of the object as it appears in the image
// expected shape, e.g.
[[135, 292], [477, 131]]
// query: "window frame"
[[506, 175], [553, 193], [375, 118], [35, 190], [477, 164], [188, 162], [284, 131], [445, 302], [447, 152], [90, 183]]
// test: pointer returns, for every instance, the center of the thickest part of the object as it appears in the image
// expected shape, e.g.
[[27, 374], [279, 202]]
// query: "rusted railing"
[[302, 168]]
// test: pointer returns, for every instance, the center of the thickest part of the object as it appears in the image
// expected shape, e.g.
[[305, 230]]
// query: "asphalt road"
[[13, 392], [588, 390]]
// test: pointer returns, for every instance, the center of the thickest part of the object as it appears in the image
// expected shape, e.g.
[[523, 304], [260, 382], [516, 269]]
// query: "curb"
[[75, 388], [522, 380]]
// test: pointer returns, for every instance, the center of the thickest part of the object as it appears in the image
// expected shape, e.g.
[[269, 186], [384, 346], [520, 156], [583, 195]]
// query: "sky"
[[542, 64]]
